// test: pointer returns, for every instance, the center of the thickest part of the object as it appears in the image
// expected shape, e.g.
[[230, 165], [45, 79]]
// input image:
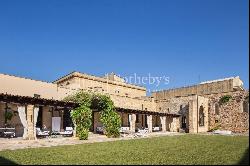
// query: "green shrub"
[[82, 116], [112, 123], [225, 99], [109, 118]]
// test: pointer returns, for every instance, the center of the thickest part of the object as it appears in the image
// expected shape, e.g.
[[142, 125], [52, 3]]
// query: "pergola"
[[25, 100]]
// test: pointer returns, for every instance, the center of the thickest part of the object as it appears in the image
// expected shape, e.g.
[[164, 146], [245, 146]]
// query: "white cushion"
[[69, 129]]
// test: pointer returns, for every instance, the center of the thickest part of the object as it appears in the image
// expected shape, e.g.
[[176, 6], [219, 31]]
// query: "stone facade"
[[110, 84], [205, 88], [192, 109], [232, 115]]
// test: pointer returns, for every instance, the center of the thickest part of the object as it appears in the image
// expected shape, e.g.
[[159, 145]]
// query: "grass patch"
[[186, 149]]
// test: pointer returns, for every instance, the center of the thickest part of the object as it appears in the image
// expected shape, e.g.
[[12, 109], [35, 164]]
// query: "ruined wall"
[[231, 115]]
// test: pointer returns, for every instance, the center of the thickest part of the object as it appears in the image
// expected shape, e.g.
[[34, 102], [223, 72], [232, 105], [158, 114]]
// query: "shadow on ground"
[[4, 161], [245, 159]]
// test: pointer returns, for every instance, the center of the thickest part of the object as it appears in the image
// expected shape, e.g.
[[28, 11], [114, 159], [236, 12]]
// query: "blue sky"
[[186, 41]]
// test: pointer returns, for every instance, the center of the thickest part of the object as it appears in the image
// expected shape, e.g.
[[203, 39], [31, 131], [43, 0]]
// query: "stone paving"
[[19, 143]]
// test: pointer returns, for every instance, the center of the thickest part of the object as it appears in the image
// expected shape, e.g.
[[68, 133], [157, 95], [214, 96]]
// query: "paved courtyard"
[[19, 143]]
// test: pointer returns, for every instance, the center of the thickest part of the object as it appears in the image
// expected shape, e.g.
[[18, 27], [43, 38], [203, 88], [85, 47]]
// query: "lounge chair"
[[8, 132], [141, 133], [156, 128], [68, 132], [124, 129], [40, 133]]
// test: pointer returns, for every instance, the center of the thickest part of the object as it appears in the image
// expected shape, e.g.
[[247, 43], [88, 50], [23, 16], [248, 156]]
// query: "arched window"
[[201, 116], [217, 109]]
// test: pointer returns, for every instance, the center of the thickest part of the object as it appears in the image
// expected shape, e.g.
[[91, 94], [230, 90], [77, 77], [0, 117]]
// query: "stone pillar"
[[30, 121], [193, 118], [132, 122], [150, 124], [163, 123]]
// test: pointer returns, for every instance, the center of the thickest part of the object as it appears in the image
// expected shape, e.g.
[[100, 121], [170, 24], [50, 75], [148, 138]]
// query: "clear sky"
[[185, 40]]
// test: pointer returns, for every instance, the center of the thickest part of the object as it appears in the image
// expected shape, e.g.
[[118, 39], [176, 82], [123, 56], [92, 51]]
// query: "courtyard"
[[168, 149]]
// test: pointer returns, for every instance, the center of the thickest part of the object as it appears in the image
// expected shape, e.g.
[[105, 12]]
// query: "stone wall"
[[231, 114]]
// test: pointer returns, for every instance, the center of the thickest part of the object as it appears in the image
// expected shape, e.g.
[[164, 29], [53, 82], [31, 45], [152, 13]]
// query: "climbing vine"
[[109, 118], [82, 115]]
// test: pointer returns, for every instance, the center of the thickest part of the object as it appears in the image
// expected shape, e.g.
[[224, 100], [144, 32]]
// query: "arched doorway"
[[201, 116]]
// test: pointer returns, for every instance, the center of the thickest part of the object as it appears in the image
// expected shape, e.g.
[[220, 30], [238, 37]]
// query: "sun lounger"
[[125, 131], [141, 133], [156, 128], [8, 132], [40, 133], [68, 132]]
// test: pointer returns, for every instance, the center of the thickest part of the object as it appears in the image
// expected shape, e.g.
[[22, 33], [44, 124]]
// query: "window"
[[180, 107], [201, 116], [217, 109]]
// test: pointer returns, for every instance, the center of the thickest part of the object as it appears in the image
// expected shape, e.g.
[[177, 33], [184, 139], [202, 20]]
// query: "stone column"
[[30, 121], [132, 122], [163, 123], [150, 124]]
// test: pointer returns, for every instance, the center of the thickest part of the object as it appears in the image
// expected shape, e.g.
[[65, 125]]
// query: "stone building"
[[232, 115], [192, 109]]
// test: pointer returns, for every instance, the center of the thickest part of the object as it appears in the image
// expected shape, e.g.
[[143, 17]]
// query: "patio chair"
[[40, 133], [68, 132]]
